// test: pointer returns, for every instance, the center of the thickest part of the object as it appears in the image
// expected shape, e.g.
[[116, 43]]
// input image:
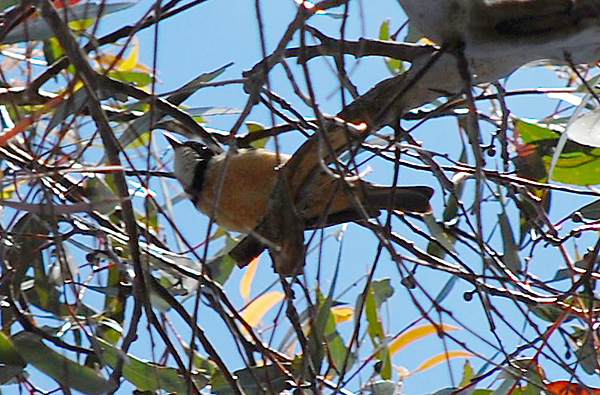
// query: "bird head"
[[191, 159]]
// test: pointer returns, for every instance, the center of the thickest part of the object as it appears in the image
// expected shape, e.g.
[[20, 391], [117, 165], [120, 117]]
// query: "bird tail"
[[412, 199]]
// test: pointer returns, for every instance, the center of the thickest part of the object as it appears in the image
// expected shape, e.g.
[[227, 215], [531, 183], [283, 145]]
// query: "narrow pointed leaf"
[[511, 251], [36, 28], [442, 357], [11, 363], [416, 333], [62, 369], [191, 87], [147, 376], [144, 123], [247, 277], [255, 311]]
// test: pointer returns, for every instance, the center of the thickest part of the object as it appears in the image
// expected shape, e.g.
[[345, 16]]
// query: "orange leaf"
[[564, 387], [247, 277], [27, 121], [255, 311], [416, 333], [441, 357]]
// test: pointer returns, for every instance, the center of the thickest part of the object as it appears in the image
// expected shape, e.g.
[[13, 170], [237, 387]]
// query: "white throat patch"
[[186, 159]]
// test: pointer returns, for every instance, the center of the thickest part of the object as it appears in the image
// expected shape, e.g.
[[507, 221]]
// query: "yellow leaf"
[[426, 41], [78, 85], [430, 362], [416, 333], [81, 24], [342, 313], [131, 60], [127, 63], [247, 277], [8, 190], [255, 311]]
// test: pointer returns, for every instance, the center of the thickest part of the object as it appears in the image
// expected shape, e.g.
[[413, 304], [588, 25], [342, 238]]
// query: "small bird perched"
[[234, 189]]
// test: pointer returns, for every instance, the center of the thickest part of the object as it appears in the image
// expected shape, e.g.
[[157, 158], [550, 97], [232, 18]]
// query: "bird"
[[233, 188]]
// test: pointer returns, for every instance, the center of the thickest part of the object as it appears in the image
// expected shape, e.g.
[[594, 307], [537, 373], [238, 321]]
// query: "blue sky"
[[218, 32], [215, 33]]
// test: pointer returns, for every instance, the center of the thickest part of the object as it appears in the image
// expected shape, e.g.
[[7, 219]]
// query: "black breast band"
[[195, 189]]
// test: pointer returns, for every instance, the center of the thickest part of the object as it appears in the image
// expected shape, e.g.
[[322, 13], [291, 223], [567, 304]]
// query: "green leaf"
[[36, 27], [221, 264], [384, 32], [592, 82], [335, 345], [446, 289], [382, 387], [375, 329], [4, 4], [382, 290], [587, 356], [548, 313], [506, 386], [468, 374], [393, 65], [254, 127], [317, 331], [81, 24], [534, 385], [204, 364], [591, 210], [511, 251], [577, 164], [114, 306], [147, 376], [75, 103], [530, 132], [385, 370], [109, 329], [150, 215], [378, 292], [191, 87], [62, 369], [144, 123], [52, 50], [11, 363], [443, 238], [138, 78], [44, 295], [258, 380], [577, 168]]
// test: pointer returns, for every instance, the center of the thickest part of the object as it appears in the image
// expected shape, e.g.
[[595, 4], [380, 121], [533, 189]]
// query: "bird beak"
[[172, 140]]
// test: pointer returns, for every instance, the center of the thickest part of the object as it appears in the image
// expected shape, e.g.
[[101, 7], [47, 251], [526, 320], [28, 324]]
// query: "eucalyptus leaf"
[[591, 210], [256, 379], [586, 129], [511, 251], [145, 123], [393, 65], [147, 376], [11, 362], [62, 369], [382, 387], [36, 28]]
